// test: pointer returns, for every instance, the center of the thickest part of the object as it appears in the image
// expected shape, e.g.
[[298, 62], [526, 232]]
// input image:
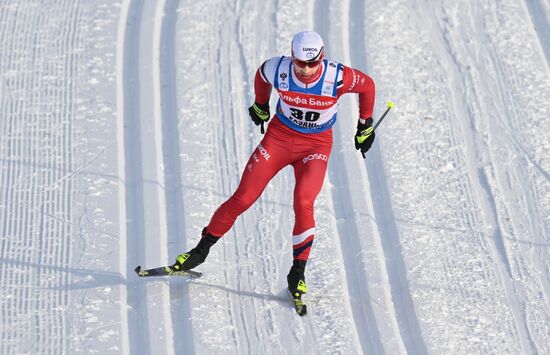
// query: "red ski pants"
[[308, 154]]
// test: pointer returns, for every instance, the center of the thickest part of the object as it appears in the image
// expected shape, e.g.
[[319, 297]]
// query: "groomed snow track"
[[123, 125]]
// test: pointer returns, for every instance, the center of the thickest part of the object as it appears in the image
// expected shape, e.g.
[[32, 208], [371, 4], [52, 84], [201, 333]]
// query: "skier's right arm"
[[262, 85], [259, 111]]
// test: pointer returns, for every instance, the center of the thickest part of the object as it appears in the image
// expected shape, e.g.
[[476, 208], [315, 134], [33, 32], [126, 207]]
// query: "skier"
[[300, 135]]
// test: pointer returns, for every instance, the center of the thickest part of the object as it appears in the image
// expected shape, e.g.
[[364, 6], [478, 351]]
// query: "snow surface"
[[123, 126]]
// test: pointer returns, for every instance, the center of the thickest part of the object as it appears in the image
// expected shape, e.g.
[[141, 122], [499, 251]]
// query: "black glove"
[[364, 135], [259, 113]]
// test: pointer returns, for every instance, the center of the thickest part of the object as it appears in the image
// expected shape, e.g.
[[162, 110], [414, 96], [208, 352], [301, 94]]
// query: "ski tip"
[[137, 269], [390, 104]]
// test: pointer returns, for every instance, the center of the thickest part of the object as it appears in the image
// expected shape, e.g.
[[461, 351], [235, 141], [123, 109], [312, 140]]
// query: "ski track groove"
[[162, 49], [122, 106], [358, 59], [409, 327], [393, 342], [541, 26], [130, 168], [179, 310], [156, 124]]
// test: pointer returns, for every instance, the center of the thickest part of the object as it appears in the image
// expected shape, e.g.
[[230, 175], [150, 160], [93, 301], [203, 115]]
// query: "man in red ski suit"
[[300, 134]]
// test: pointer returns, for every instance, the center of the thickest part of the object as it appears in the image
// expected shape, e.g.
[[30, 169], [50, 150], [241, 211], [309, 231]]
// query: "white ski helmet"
[[307, 46]]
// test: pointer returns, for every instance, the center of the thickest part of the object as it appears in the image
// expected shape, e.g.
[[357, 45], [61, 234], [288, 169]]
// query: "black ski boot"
[[296, 279], [198, 254]]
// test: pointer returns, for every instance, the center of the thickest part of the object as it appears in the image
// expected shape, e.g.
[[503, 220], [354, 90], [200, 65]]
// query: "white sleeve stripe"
[[297, 239], [340, 80]]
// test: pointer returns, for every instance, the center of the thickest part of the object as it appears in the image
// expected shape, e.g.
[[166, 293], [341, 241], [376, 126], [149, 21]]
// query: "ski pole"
[[389, 105]]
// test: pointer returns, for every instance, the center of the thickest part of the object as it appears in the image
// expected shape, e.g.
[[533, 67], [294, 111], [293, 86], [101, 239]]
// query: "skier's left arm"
[[355, 81]]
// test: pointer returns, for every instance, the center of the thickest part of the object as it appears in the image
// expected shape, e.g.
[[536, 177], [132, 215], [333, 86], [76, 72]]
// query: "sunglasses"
[[303, 64]]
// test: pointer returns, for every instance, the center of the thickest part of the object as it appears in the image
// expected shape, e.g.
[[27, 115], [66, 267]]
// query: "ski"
[[166, 271], [299, 305]]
